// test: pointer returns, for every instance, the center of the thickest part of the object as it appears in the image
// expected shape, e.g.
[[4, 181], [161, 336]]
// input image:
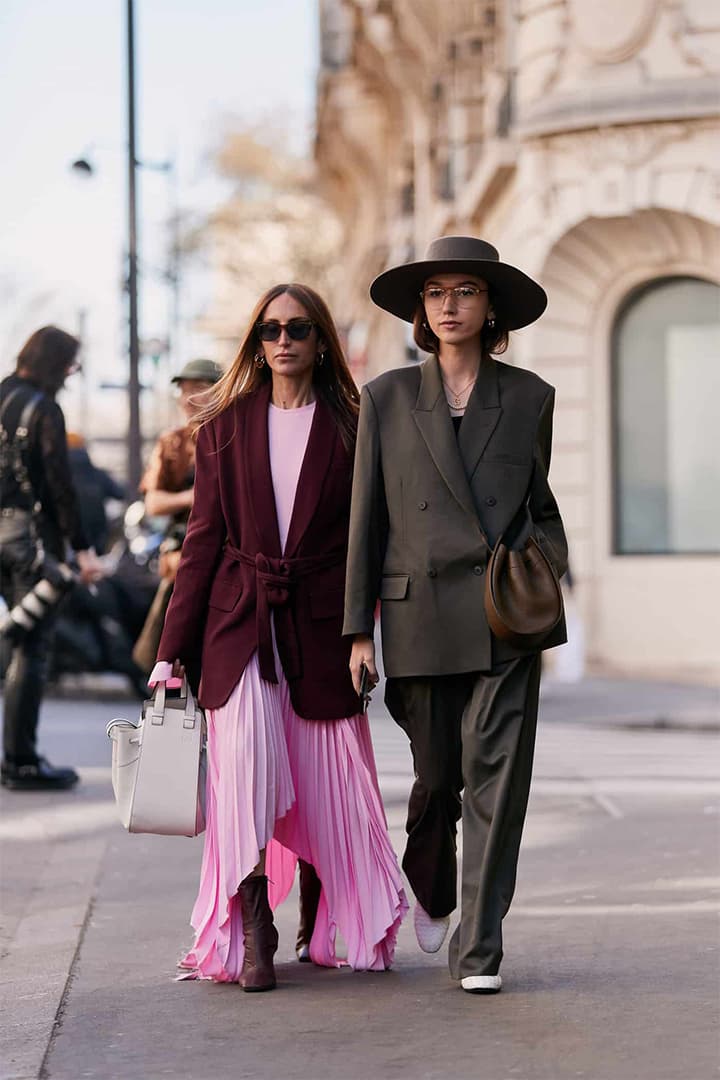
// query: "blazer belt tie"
[[275, 578]]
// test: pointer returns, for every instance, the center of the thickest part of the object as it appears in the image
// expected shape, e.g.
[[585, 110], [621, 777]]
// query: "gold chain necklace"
[[457, 395]]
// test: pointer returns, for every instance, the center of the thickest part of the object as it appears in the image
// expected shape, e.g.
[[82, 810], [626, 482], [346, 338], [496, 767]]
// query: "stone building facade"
[[582, 140]]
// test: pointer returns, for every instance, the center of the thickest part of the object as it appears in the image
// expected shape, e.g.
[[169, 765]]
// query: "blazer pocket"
[[394, 586], [328, 603], [224, 594]]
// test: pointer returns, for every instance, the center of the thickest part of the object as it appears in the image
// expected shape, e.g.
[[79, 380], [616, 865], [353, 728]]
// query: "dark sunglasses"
[[297, 329]]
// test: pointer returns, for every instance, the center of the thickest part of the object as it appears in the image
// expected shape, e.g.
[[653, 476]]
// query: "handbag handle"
[[157, 713], [525, 504]]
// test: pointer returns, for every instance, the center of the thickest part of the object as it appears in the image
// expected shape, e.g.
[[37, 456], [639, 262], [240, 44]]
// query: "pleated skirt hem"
[[297, 789]]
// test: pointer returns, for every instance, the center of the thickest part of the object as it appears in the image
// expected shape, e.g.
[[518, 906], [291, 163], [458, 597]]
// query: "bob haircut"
[[331, 378], [492, 340], [46, 358]]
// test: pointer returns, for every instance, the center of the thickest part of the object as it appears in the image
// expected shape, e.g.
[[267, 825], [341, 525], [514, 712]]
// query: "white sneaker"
[[430, 933], [482, 984]]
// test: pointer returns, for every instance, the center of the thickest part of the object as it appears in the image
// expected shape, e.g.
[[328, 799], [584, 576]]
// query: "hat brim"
[[519, 299], [196, 378]]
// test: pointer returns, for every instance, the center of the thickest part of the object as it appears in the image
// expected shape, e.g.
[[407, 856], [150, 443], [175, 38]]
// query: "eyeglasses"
[[464, 295], [297, 329]]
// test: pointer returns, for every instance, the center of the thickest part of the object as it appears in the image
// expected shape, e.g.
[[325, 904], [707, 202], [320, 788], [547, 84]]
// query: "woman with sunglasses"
[[258, 601]]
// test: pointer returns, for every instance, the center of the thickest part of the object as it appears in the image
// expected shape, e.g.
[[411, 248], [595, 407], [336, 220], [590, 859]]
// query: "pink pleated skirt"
[[299, 789]]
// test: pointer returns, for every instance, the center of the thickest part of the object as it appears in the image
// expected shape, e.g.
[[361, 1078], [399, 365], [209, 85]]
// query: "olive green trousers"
[[472, 738]]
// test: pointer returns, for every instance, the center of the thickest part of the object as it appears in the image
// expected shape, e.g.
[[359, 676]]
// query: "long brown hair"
[[493, 339], [47, 356], [331, 378]]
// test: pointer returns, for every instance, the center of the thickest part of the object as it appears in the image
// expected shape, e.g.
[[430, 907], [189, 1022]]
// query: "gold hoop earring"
[[259, 360], [320, 359]]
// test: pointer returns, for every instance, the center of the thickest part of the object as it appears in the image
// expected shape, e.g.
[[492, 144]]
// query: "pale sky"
[[62, 236]]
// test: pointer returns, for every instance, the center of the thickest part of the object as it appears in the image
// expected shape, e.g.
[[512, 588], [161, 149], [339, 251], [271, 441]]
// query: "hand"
[[363, 652], [91, 568], [178, 670]]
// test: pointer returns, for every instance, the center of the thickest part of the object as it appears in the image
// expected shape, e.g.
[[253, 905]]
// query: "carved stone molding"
[[631, 146], [613, 30]]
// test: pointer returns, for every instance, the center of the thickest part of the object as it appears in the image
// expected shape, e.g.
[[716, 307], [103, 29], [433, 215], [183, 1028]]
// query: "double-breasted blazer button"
[[491, 500], [422, 505], [432, 572], [478, 570]]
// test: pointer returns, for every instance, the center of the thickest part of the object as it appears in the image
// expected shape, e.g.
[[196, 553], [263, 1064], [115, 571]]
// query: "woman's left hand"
[[363, 652]]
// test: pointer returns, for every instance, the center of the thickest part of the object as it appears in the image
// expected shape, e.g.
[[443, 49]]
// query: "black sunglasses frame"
[[275, 329]]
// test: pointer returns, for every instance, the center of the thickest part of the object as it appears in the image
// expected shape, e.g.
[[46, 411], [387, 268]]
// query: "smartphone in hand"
[[365, 687]]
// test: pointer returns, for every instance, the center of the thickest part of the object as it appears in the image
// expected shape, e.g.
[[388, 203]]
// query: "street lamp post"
[[134, 444], [85, 167]]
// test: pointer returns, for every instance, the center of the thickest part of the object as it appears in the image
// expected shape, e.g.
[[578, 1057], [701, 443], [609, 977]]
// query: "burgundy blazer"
[[233, 574]]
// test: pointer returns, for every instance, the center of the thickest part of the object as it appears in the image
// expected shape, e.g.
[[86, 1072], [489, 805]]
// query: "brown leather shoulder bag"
[[523, 598]]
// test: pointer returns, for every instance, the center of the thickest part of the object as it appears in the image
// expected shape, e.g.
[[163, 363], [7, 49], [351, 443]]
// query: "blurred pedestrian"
[[93, 486], [448, 451], [39, 518], [168, 489], [168, 481], [259, 594]]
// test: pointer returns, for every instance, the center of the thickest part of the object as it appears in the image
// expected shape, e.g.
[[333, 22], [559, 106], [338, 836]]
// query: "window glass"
[[667, 419]]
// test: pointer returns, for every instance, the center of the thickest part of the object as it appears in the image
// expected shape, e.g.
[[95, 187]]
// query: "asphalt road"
[[611, 968]]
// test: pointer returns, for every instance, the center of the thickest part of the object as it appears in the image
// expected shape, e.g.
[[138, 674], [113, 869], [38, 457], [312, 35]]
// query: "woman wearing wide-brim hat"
[[450, 453]]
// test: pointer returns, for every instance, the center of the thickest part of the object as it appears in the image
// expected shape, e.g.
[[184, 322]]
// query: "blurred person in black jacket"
[[93, 487], [39, 517]]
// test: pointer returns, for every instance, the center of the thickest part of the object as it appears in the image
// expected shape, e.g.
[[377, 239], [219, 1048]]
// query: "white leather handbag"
[[159, 766]]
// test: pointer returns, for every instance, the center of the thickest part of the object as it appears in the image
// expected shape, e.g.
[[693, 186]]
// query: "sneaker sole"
[[481, 984], [36, 785], [434, 949]]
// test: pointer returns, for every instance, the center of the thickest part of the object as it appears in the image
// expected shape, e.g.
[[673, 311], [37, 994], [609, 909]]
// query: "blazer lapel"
[[432, 416], [318, 455], [481, 416], [256, 460]]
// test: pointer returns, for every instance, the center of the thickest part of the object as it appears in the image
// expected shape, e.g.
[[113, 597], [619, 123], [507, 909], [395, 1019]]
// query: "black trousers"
[[472, 734], [27, 671]]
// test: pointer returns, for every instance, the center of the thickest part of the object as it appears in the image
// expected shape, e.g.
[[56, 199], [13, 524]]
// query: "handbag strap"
[[525, 503], [191, 713]]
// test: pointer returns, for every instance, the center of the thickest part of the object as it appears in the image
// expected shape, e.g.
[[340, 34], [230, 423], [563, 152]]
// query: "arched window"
[[666, 418]]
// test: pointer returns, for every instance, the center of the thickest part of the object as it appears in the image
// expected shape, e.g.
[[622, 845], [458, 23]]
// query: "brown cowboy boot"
[[309, 899], [260, 936]]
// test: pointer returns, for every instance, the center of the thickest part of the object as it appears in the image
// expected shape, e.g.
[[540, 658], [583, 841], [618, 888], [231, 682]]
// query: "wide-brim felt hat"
[[199, 370], [517, 299]]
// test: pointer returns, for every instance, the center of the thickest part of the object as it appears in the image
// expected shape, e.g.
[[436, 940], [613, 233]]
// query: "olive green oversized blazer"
[[428, 506]]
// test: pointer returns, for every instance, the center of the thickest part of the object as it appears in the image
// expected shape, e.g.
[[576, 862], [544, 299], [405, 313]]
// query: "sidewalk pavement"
[[631, 703], [610, 963], [598, 700]]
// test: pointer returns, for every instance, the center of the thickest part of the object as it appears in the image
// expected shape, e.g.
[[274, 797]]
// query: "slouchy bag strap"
[[523, 598]]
